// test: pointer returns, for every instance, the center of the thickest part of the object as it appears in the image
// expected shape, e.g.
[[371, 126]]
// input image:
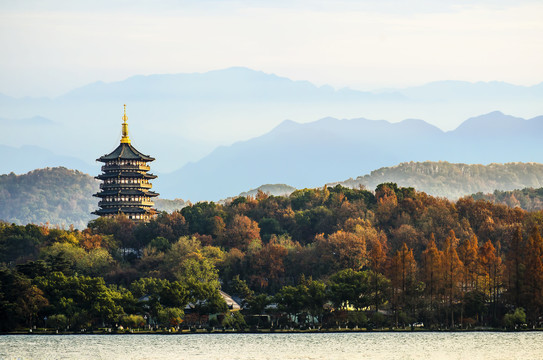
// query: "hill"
[[323, 151], [55, 195], [58, 196], [529, 199], [454, 180], [270, 189]]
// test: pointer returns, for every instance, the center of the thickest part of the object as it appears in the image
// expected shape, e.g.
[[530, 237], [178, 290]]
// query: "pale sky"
[[51, 47]]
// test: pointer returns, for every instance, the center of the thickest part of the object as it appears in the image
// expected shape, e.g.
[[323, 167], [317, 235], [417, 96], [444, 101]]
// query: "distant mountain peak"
[[286, 125]]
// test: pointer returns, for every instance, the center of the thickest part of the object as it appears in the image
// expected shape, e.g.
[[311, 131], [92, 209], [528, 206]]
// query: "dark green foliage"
[[515, 319], [354, 194], [201, 217], [269, 227], [19, 241]]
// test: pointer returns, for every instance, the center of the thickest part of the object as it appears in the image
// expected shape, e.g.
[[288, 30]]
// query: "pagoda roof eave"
[[126, 192], [125, 151], [124, 174], [122, 210]]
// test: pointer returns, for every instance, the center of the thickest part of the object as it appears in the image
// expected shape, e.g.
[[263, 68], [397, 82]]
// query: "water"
[[380, 346]]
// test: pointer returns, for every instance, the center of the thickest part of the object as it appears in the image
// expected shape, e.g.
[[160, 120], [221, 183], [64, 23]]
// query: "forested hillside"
[[331, 257], [454, 180], [58, 196], [528, 199], [54, 195]]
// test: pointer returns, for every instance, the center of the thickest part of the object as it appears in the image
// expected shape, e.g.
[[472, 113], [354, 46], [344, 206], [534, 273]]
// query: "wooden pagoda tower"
[[125, 187]]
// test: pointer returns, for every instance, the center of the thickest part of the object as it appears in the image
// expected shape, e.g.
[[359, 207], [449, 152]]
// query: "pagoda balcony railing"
[[110, 204], [126, 167], [128, 186]]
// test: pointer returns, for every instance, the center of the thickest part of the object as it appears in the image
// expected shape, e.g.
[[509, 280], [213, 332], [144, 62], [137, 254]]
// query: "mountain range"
[[320, 152], [181, 118]]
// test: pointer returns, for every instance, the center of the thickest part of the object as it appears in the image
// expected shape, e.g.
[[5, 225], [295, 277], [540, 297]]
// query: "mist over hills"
[[179, 118], [312, 154]]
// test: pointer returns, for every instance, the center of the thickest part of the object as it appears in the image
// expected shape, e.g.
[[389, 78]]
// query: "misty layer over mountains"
[[181, 118]]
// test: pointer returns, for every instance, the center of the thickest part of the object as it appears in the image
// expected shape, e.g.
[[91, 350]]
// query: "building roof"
[[125, 151], [230, 302], [124, 210], [125, 192], [125, 174]]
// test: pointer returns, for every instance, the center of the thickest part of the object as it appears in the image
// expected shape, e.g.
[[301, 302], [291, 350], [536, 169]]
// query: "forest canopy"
[[319, 257]]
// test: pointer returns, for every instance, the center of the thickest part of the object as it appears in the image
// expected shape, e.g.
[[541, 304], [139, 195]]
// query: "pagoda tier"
[[113, 174], [126, 188], [129, 192]]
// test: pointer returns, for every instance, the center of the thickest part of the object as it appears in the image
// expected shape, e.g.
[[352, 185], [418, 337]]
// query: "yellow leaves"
[[67, 238]]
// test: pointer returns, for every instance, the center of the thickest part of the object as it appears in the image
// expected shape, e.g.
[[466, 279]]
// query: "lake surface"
[[423, 345]]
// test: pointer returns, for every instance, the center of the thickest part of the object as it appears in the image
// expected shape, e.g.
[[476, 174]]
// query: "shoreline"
[[267, 331]]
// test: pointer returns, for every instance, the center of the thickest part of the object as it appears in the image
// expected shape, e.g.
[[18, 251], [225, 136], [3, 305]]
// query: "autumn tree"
[[533, 287], [491, 266], [432, 270], [402, 272], [452, 271], [267, 264], [468, 253], [515, 268], [341, 250], [240, 232]]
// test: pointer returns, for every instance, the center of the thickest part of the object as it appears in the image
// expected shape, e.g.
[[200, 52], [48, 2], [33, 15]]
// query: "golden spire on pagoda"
[[125, 139]]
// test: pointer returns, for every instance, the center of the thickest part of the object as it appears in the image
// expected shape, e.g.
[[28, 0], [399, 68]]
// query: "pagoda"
[[126, 188]]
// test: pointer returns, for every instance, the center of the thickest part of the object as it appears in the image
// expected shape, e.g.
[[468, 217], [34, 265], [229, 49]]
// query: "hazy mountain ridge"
[[194, 113], [312, 154]]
